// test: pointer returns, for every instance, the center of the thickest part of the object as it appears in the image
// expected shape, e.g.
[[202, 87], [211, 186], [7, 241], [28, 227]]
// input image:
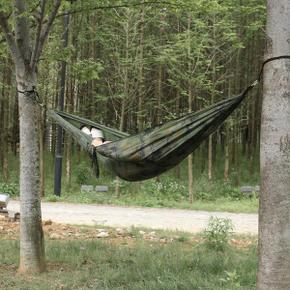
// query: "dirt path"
[[155, 218]]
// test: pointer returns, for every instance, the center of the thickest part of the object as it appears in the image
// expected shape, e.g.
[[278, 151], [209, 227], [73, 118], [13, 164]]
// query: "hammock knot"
[[255, 83], [33, 95]]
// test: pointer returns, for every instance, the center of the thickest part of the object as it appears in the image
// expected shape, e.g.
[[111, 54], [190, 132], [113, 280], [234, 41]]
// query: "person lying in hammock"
[[96, 134]]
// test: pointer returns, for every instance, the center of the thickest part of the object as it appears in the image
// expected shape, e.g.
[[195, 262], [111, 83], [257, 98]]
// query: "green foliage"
[[218, 232], [87, 70], [231, 278], [52, 198], [11, 188], [83, 173]]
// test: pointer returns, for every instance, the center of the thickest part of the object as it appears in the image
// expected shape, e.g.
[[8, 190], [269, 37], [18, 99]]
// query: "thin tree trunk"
[[2, 120], [227, 161], [209, 168], [15, 130], [190, 102], [31, 233], [140, 117], [177, 167], [274, 211], [41, 154]]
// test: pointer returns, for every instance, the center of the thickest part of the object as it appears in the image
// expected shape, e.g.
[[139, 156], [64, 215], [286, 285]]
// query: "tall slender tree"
[[274, 213], [25, 54]]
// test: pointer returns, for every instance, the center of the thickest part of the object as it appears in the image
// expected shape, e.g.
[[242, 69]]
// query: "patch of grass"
[[142, 265], [221, 204]]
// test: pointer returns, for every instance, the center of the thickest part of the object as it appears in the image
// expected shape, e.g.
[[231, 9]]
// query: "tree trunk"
[[140, 117], [190, 103], [15, 128], [226, 152], [209, 169], [31, 234], [274, 213], [41, 154]]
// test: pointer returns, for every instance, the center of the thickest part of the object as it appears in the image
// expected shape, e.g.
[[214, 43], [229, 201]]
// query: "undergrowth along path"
[[154, 218]]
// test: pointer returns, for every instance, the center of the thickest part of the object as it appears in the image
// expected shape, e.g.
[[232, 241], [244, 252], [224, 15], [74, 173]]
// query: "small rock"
[[101, 188], [87, 188], [120, 231], [12, 215], [54, 236], [103, 235], [47, 223]]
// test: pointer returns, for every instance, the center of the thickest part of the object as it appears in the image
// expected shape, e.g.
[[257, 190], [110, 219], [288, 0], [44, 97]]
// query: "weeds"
[[218, 233]]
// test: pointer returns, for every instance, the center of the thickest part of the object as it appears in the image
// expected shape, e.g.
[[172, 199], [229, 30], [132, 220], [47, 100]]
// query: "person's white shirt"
[[96, 134]]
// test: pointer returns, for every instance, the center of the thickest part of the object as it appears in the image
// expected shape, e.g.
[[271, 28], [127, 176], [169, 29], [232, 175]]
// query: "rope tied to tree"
[[32, 95], [260, 75], [269, 60]]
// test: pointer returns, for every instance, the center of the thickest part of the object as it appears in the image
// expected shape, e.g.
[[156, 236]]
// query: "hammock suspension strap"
[[32, 95]]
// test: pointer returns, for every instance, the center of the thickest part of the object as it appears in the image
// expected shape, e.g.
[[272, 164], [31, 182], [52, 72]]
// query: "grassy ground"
[[221, 204], [140, 265]]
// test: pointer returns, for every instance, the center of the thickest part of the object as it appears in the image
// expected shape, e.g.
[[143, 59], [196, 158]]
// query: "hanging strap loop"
[[33, 95], [269, 60]]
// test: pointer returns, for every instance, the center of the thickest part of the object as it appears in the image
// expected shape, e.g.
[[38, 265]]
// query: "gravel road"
[[154, 218]]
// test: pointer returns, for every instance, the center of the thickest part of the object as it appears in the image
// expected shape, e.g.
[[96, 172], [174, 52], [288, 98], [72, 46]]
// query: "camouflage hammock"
[[153, 151]]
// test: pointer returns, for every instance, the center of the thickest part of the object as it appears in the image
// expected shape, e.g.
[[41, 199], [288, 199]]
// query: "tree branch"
[[8, 35], [119, 6], [39, 28], [45, 31], [22, 31]]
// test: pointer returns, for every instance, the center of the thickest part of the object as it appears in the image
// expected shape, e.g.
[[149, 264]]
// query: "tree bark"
[[227, 161], [25, 60], [31, 233], [274, 213], [41, 154], [140, 117], [190, 103]]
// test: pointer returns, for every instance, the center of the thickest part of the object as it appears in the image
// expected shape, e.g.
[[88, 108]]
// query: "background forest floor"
[[169, 190], [221, 204], [83, 258]]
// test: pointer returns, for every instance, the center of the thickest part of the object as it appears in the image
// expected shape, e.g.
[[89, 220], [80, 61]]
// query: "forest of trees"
[[134, 67]]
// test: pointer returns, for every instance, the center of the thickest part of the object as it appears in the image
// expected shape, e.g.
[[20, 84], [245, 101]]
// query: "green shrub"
[[218, 232], [82, 173], [11, 188], [52, 198]]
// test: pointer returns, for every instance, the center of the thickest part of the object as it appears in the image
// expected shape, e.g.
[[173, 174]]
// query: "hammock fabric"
[[154, 151]]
